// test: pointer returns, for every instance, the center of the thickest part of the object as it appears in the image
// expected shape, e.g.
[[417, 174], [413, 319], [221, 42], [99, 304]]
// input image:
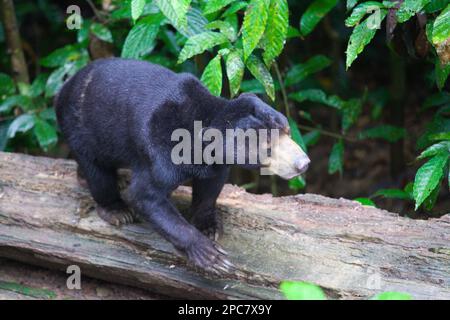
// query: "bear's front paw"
[[208, 223], [208, 255], [116, 217]]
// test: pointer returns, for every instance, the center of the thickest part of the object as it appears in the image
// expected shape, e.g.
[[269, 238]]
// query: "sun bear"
[[119, 113]]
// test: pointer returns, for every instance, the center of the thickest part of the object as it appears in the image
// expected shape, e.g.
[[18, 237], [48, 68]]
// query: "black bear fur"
[[119, 113]]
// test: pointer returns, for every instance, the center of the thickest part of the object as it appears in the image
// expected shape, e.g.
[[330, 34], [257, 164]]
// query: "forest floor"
[[24, 282]]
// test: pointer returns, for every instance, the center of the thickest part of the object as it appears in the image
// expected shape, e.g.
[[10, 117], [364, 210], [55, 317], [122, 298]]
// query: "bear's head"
[[275, 150]]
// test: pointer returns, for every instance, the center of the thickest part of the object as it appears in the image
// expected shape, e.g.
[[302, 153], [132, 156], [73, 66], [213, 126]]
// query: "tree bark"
[[18, 64], [351, 251]]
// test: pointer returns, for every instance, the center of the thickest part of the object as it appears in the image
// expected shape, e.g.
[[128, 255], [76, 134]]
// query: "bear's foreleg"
[[204, 195], [155, 207]]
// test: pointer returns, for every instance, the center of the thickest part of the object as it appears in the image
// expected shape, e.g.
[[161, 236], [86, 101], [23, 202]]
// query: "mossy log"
[[351, 251]]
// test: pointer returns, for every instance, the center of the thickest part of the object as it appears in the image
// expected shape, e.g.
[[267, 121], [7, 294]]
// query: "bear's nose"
[[302, 164]]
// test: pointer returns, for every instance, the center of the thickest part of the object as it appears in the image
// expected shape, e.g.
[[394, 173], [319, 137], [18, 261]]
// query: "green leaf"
[[361, 36], [378, 100], [215, 5], [4, 125], [61, 56], [254, 24], [235, 70], [45, 133], [7, 86], [296, 134], [351, 4], [48, 114], [37, 293], [392, 296], [311, 138], [428, 177], [22, 123], [351, 110], [336, 160], [141, 38], [38, 86], [393, 194], [438, 125], [253, 86], [360, 11], [55, 80], [441, 26], [83, 32], [365, 202], [314, 13], [196, 23], [225, 27], [440, 147], [441, 72], [212, 76], [199, 43], [440, 136], [436, 99], [430, 201], [297, 183], [409, 8], [260, 72], [276, 30], [293, 32], [300, 71], [137, 7], [386, 132], [295, 290], [101, 32], [15, 101], [235, 7], [435, 5], [175, 11], [317, 95]]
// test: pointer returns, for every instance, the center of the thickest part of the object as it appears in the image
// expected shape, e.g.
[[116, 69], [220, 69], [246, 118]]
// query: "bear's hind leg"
[[102, 184]]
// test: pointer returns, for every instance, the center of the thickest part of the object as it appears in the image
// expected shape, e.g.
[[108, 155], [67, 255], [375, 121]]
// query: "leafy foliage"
[[212, 76], [429, 176], [249, 36], [235, 70], [141, 38], [386, 132], [295, 290], [175, 11], [260, 72], [276, 30], [300, 71], [408, 8], [199, 43], [314, 13], [392, 295], [362, 34], [336, 160]]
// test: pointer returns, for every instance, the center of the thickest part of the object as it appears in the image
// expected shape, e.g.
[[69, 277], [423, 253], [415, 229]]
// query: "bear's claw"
[[210, 256], [116, 217], [210, 225]]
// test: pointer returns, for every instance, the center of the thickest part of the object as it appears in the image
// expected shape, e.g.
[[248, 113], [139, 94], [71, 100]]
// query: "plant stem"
[[328, 133], [283, 89], [18, 64]]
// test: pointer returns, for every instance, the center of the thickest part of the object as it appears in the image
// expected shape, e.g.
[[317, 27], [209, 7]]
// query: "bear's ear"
[[272, 117], [247, 95]]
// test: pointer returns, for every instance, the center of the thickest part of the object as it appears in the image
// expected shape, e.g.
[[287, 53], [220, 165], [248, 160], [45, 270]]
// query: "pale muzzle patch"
[[287, 159]]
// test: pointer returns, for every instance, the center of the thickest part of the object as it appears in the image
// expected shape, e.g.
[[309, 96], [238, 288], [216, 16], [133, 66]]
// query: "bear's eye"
[[287, 130]]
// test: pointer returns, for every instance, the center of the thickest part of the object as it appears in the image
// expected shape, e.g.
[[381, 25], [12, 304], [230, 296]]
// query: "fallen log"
[[351, 251]]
